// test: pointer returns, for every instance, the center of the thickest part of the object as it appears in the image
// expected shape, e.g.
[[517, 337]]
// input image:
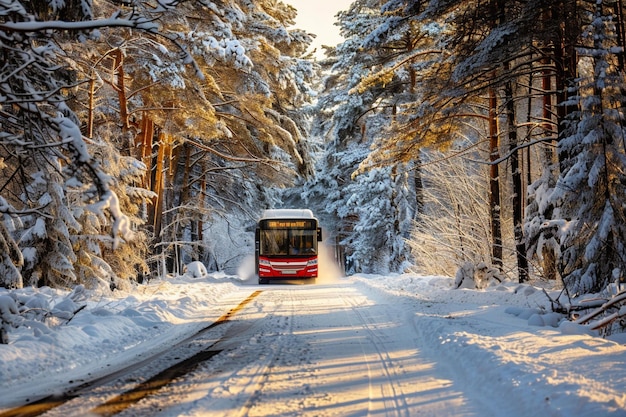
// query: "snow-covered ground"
[[451, 352]]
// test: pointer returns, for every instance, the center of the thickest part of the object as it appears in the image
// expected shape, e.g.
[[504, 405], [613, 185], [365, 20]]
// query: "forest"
[[461, 138]]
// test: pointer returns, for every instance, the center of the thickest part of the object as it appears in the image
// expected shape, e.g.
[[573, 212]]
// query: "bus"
[[286, 244]]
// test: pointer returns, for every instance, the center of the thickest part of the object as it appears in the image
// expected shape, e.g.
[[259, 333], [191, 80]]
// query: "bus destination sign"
[[289, 224]]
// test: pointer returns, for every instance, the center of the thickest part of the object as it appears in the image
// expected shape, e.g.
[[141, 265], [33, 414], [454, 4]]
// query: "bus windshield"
[[288, 242]]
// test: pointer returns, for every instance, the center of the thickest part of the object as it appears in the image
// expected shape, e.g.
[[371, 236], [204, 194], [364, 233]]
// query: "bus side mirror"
[[319, 234]]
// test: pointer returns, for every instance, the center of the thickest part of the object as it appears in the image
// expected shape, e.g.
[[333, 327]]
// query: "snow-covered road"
[[325, 350], [359, 346]]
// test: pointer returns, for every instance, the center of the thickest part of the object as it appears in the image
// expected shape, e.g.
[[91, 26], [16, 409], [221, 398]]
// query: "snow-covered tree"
[[590, 193], [206, 77], [255, 83], [45, 155], [453, 229], [369, 207], [216, 135]]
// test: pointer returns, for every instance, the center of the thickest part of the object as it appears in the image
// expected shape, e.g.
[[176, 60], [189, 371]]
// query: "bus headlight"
[[264, 262], [312, 262]]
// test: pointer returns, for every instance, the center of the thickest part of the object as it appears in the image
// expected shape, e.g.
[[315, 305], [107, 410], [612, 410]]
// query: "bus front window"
[[274, 242], [303, 242], [309, 246], [280, 242]]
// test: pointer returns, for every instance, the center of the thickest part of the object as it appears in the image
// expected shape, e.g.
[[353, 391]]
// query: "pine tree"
[[590, 193], [359, 103], [45, 156], [236, 116]]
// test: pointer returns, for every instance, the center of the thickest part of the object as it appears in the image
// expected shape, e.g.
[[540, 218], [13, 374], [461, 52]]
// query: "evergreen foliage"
[[99, 118], [160, 131], [44, 155], [494, 70], [371, 210], [590, 193]]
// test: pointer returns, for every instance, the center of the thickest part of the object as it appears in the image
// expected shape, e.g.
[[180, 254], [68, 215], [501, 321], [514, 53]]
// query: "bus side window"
[[265, 243], [319, 234]]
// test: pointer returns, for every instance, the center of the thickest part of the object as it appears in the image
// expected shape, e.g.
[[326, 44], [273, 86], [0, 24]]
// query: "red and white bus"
[[286, 243]]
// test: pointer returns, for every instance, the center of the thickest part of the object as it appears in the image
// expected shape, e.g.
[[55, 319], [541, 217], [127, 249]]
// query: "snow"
[[468, 352], [113, 21], [287, 213], [195, 269]]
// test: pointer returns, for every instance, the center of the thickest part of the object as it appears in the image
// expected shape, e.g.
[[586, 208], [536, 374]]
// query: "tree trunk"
[[90, 114], [516, 171], [494, 182], [565, 65], [548, 254], [143, 146], [495, 12], [419, 188], [518, 189], [158, 187], [185, 189], [618, 10], [201, 200], [118, 69]]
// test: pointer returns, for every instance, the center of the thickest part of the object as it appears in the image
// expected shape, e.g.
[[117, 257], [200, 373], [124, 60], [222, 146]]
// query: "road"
[[323, 351], [361, 346], [289, 350]]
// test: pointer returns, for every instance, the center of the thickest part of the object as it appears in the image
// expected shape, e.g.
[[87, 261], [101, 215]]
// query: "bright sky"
[[318, 17]]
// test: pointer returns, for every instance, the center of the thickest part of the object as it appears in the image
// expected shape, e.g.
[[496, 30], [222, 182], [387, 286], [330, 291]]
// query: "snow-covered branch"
[[114, 21]]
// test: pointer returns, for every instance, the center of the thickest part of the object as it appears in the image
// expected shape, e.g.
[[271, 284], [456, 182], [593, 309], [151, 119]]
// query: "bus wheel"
[[263, 281]]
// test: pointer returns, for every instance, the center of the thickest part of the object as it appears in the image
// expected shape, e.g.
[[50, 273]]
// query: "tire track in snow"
[[281, 326], [390, 392], [239, 379]]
